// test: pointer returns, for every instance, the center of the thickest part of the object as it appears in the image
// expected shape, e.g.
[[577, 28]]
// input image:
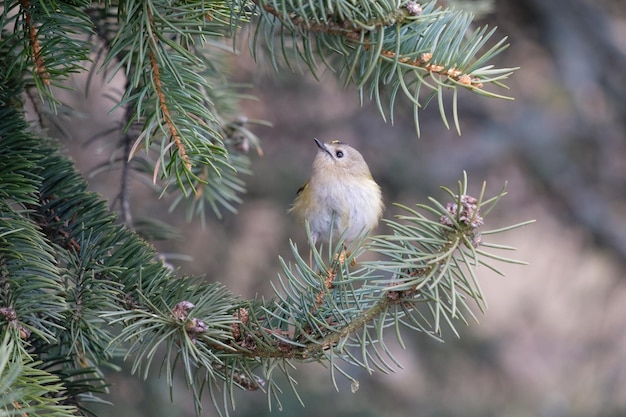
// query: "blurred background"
[[553, 341]]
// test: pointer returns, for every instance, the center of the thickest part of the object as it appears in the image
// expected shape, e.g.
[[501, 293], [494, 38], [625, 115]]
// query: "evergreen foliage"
[[78, 289]]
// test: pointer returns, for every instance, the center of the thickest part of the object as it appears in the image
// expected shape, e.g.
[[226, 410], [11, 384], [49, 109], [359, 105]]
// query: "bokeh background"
[[553, 341]]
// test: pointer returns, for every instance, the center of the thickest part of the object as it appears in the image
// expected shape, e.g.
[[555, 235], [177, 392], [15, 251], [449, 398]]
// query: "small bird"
[[341, 195]]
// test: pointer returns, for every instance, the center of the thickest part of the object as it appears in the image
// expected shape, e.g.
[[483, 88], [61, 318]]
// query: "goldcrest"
[[341, 195]]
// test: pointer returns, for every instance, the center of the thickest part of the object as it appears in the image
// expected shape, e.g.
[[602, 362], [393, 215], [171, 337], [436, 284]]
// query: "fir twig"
[[38, 59], [156, 74]]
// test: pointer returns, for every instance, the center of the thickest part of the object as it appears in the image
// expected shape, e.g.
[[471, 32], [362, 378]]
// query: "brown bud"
[[24, 332], [241, 315], [414, 8], [8, 313], [468, 214], [181, 310], [465, 79], [196, 326]]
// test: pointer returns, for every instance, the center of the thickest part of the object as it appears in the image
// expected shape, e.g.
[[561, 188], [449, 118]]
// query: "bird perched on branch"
[[341, 196]]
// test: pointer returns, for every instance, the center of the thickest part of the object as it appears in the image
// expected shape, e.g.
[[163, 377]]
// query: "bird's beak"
[[322, 146]]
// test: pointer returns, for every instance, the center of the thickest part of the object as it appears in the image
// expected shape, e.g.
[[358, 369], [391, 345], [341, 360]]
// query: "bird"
[[341, 197]]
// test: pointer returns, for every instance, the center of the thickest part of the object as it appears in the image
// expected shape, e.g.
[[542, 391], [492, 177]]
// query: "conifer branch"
[[156, 73], [352, 31], [27, 390], [38, 59], [411, 48]]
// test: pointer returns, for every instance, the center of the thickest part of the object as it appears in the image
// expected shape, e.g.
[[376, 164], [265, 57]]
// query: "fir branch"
[[156, 73], [172, 91], [317, 315], [404, 47], [51, 40], [107, 268], [38, 59], [26, 390]]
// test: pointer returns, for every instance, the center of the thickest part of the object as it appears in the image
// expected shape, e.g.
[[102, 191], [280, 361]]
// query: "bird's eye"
[[339, 154]]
